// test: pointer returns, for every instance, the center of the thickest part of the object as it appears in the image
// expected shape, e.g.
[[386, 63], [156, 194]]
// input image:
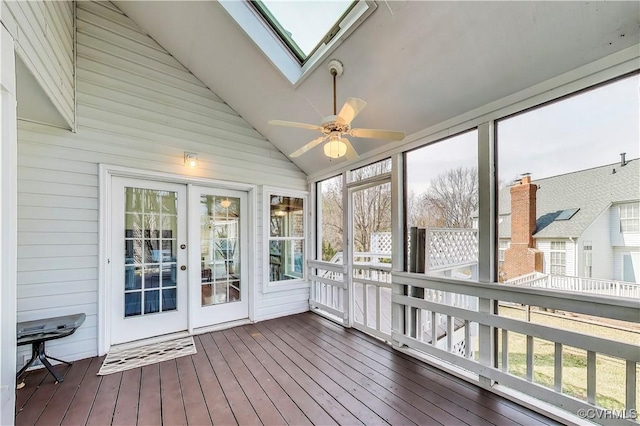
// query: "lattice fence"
[[381, 242], [451, 247]]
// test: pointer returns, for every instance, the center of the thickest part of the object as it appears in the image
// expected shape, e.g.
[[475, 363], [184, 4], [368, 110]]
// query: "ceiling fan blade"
[[350, 109], [294, 124], [307, 147], [351, 152], [377, 134]]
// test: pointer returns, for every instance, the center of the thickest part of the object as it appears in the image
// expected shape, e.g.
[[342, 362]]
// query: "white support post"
[[397, 240], [8, 226], [487, 237], [347, 252]]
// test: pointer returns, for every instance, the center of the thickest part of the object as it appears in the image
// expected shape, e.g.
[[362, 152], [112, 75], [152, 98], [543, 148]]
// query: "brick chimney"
[[522, 257]]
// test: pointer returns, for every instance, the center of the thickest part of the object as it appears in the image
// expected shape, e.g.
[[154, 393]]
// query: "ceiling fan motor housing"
[[335, 66], [334, 123]]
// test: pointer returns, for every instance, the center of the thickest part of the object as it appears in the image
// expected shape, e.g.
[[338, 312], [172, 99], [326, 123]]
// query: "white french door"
[[148, 259], [218, 236]]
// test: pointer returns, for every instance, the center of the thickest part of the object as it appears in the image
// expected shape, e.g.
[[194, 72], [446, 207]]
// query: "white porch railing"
[[328, 294], [495, 373], [578, 284], [371, 278]]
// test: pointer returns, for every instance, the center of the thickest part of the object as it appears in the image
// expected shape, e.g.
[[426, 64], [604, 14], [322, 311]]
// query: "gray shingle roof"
[[591, 190]]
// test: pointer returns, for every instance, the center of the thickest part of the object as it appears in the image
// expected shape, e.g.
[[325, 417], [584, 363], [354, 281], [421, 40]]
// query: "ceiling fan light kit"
[[335, 126], [336, 147]]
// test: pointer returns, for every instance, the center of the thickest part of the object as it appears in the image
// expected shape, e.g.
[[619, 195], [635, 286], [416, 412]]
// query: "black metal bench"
[[38, 332]]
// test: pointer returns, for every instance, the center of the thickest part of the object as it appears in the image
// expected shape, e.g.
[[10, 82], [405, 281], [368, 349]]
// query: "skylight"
[[303, 25], [566, 214], [297, 36]]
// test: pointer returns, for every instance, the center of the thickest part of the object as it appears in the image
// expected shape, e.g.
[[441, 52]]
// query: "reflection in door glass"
[[150, 237], [219, 249]]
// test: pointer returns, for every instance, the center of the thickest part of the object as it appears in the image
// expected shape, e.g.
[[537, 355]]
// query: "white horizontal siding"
[[275, 304], [544, 246], [599, 236], [137, 107], [43, 32]]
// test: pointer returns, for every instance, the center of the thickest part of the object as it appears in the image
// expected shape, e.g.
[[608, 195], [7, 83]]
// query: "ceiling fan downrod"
[[336, 69]]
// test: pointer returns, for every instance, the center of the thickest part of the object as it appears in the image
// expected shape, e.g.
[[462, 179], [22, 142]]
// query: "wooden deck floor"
[[299, 370]]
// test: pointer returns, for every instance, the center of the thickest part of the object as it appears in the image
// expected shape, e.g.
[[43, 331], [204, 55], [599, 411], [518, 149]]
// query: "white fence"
[[578, 284]]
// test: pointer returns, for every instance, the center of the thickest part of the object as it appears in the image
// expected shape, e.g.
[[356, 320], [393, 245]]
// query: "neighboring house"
[[584, 224]]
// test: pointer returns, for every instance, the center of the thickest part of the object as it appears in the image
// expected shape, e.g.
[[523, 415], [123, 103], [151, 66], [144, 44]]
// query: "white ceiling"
[[416, 63]]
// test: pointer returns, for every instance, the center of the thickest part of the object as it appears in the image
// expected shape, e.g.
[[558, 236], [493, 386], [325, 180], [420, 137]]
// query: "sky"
[[307, 33], [588, 130]]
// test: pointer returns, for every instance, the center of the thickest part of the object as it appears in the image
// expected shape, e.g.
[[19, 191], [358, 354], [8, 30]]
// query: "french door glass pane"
[[150, 251], [219, 249]]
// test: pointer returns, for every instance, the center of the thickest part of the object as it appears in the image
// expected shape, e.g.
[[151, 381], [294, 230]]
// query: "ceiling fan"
[[335, 127]]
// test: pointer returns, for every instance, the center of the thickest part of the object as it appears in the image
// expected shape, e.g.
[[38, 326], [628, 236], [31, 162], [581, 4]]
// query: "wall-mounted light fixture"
[[280, 213], [191, 159]]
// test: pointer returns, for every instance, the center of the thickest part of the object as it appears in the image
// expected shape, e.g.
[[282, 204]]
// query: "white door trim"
[[106, 172]]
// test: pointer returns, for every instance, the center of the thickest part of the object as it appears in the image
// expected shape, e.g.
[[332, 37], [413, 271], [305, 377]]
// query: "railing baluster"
[[631, 386], [434, 328], [530, 358], [378, 298], [505, 349], [591, 377], [467, 339], [449, 333], [557, 367]]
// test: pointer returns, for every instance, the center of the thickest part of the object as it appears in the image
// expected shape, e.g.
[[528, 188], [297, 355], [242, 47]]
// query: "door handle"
[[183, 268]]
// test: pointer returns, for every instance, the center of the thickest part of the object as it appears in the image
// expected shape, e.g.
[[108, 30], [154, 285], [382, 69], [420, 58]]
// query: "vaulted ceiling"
[[416, 63]]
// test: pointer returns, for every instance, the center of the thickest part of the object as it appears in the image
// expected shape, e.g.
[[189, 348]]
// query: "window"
[[588, 259], [558, 258], [286, 242], [370, 170], [557, 174], [630, 217], [503, 245], [441, 204], [297, 36], [566, 214]]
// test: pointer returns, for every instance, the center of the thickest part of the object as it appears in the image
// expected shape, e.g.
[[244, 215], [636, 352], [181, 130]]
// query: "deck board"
[[301, 370], [149, 401]]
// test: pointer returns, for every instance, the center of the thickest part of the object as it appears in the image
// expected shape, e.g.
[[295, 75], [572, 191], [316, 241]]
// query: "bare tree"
[[454, 197]]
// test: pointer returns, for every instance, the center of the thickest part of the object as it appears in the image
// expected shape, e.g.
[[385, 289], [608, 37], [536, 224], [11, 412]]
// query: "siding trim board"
[[44, 34]]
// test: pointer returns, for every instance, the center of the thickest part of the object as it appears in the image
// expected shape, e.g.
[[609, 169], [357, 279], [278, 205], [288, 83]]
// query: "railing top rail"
[[370, 254], [329, 266], [451, 230], [372, 267], [589, 304]]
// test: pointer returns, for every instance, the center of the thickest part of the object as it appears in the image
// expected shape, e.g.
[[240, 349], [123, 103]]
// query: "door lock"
[[183, 246], [183, 268]]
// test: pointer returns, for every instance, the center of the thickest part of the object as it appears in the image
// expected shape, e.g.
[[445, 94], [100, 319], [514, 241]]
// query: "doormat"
[[125, 359]]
